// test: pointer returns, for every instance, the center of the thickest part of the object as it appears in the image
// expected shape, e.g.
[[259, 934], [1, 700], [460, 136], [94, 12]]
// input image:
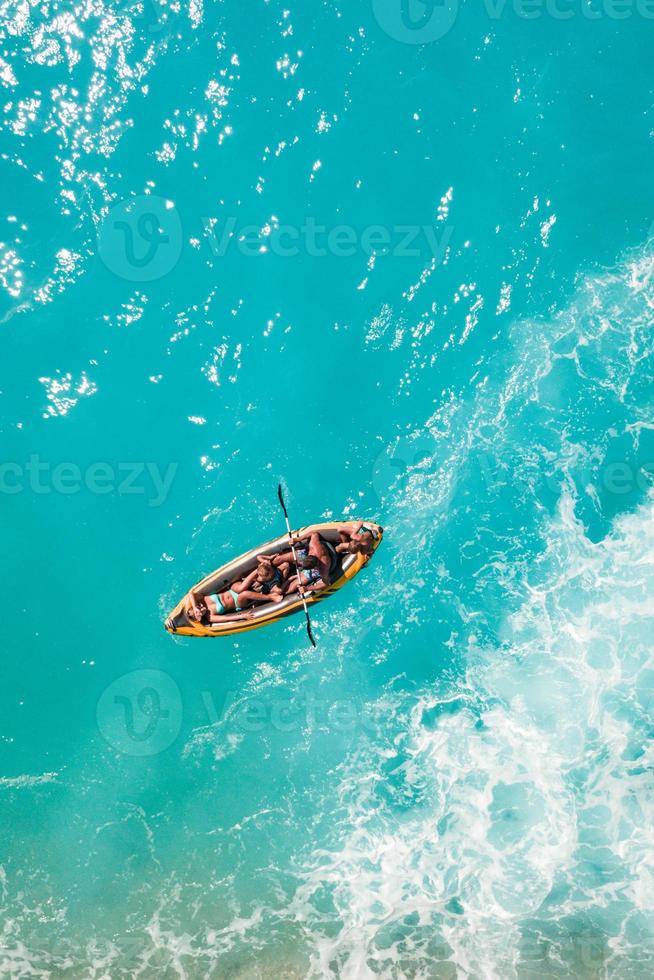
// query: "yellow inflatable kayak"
[[345, 567]]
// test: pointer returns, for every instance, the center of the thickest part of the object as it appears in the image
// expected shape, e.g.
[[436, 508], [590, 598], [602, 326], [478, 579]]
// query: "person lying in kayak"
[[264, 584], [315, 560], [356, 539]]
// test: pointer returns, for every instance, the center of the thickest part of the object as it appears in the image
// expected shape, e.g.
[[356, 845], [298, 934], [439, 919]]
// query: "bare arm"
[[241, 587], [348, 531], [193, 607]]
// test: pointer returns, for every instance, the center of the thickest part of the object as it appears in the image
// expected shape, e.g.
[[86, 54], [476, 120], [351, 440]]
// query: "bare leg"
[[292, 585]]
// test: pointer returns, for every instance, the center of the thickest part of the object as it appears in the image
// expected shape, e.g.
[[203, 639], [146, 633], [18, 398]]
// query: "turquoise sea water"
[[398, 257]]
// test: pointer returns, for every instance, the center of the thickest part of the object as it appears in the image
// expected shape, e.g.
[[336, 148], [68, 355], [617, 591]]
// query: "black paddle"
[[297, 567]]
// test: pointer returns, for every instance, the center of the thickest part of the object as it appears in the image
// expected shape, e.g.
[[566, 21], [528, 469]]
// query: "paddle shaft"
[[297, 567]]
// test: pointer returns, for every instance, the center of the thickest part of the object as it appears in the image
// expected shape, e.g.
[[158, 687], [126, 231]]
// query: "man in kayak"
[[264, 584], [356, 539], [316, 559]]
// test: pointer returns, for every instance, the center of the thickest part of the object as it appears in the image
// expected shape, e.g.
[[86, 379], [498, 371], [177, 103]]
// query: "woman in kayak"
[[356, 539], [264, 584]]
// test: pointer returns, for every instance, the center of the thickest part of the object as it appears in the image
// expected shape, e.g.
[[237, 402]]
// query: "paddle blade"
[[281, 499]]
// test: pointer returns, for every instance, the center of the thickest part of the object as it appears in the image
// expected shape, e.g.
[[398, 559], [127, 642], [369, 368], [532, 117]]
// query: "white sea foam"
[[27, 781], [517, 820], [497, 825]]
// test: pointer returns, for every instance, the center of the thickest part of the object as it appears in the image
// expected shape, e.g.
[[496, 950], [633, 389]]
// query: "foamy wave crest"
[[505, 829], [26, 782]]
